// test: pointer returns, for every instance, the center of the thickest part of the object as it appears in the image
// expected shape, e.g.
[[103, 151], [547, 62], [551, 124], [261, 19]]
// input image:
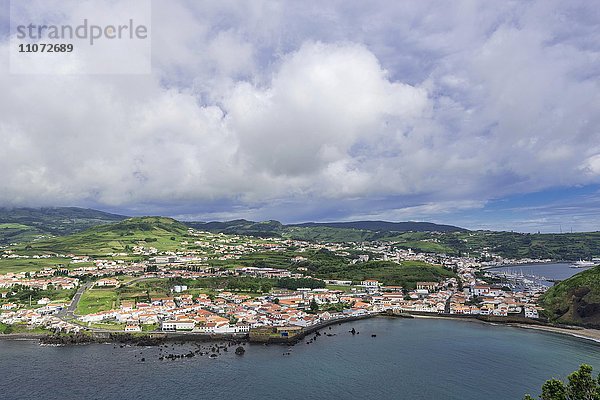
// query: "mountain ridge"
[[378, 225]]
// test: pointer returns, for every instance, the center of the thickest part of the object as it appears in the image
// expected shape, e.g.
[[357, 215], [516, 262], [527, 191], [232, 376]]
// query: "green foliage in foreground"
[[580, 385], [5, 329]]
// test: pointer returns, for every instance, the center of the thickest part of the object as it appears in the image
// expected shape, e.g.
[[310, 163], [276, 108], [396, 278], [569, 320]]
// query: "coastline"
[[572, 330], [119, 337], [581, 333]]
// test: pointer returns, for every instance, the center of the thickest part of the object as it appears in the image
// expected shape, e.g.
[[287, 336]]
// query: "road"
[[69, 311], [68, 314]]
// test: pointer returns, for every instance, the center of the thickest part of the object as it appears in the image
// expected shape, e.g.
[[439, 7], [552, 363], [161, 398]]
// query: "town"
[[180, 291]]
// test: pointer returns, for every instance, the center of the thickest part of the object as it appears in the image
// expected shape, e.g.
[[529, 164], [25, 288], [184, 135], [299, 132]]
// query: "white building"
[[133, 328], [531, 313], [179, 288], [178, 325]]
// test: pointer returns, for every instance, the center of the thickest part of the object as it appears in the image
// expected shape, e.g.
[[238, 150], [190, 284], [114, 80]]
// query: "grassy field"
[[13, 226], [145, 289], [33, 264], [21, 328], [96, 300], [272, 259], [406, 274], [149, 327], [111, 326]]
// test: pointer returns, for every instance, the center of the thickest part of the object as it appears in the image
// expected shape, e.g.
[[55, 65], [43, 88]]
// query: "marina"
[[532, 276]]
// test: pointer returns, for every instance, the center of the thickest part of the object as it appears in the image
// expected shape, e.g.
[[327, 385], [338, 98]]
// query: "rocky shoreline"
[[157, 339], [85, 338]]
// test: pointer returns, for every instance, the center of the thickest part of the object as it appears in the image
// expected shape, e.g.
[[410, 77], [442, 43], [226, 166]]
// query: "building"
[[179, 288], [133, 328], [370, 284], [287, 331], [337, 282], [179, 325], [429, 286], [531, 312], [108, 282]]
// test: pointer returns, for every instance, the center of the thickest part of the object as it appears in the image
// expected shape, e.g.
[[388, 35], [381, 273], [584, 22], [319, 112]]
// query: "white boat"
[[583, 264]]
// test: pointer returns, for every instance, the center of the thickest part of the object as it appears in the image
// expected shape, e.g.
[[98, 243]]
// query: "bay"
[[408, 359]]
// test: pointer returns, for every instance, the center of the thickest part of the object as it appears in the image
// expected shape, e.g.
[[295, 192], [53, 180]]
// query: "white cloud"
[[322, 101], [269, 103]]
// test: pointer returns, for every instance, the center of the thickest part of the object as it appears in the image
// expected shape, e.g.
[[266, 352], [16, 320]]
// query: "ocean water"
[[408, 359], [559, 271]]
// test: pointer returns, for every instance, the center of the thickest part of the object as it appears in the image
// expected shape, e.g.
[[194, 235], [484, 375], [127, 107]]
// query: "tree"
[[314, 307], [554, 389], [581, 386]]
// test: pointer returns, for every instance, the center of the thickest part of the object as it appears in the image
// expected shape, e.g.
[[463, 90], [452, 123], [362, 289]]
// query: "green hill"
[[30, 225], [158, 232], [241, 227], [385, 226], [575, 300], [327, 231], [27, 224], [564, 246]]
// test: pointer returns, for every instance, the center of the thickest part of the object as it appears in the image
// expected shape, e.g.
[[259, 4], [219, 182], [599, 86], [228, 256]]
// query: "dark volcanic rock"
[[71, 338]]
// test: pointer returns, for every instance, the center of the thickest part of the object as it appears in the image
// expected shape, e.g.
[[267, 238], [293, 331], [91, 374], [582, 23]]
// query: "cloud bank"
[[267, 109]]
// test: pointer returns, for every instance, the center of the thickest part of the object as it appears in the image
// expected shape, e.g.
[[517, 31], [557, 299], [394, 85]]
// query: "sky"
[[480, 114]]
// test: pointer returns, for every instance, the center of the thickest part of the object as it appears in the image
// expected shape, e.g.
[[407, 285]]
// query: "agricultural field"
[[35, 264], [96, 300]]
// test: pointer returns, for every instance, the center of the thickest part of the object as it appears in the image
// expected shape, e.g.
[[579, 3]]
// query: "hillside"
[[158, 232], [423, 236], [26, 224], [241, 227], [324, 232], [565, 246], [575, 300], [385, 226], [29, 225]]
